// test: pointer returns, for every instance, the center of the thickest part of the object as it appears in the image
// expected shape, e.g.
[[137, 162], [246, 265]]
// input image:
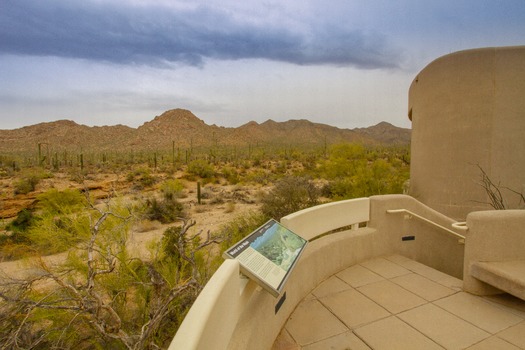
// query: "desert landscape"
[[99, 221]]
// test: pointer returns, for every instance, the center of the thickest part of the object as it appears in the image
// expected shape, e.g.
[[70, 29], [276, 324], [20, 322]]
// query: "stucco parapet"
[[489, 51], [490, 215]]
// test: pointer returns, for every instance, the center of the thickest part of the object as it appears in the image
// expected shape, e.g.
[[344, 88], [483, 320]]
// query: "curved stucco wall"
[[468, 109]]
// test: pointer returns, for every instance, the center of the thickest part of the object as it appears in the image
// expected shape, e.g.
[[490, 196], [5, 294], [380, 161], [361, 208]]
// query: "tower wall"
[[468, 113]]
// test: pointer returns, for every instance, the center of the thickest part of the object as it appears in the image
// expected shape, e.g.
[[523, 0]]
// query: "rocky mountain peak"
[[183, 128]]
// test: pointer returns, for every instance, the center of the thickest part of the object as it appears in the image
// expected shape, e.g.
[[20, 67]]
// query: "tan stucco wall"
[[468, 108], [222, 317], [495, 235]]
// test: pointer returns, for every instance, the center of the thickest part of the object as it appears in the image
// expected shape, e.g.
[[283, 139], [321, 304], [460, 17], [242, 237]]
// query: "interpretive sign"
[[268, 255]]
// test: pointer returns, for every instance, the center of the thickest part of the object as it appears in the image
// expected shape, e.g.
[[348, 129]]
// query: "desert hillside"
[[185, 129]]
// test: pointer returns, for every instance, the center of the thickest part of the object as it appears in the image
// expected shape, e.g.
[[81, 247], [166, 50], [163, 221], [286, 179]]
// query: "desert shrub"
[[201, 168], [53, 234], [172, 242], [141, 178], [15, 245], [28, 182], [377, 177], [230, 207], [147, 225], [21, 223], [231, 175], [215, 200], [130, 177], [290, 194], [281, 167], [240, 227], [54, 201], [339, 189], [259, 176], [344, 160], [355, 171], [498, 195], [102, 297], [171, 189], [163, 210], [57, 224], [10, 250], [50, 229]]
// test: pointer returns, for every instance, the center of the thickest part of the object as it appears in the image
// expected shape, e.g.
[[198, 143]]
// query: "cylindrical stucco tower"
[[468, 117]]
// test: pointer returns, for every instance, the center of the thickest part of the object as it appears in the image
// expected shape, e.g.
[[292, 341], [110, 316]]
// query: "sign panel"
[[268, 255]]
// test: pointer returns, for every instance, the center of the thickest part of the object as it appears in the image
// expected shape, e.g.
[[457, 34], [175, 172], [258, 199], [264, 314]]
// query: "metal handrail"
[[395, 211]]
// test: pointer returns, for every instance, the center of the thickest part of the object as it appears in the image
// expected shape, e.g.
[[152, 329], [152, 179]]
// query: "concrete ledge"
[[218, 303], [312, 222], [494, 240], [232, 313], [509, 276], [259, 325]]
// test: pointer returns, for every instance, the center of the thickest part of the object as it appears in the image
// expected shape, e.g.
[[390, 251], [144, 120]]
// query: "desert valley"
[[163, 200]]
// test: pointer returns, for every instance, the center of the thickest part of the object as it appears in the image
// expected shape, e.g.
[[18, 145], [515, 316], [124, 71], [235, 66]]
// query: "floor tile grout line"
[[375, 272], [488, 302], [328, 309], [467, 321], [418, 331], [351, 328], [520, 314], [416, 272], [363, 340], [334, 293], [501, 306], [366, 268], [496, 336], [428, 278], [429, 301]]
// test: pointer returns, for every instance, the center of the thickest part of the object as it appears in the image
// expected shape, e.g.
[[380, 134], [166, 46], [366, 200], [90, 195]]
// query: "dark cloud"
[[155, 35]]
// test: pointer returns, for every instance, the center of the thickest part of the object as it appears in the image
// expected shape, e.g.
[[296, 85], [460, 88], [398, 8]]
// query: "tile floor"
[[397, 303]]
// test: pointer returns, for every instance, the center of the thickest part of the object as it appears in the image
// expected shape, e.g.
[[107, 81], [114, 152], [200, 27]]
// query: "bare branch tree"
[[81, 297], [494, 193]]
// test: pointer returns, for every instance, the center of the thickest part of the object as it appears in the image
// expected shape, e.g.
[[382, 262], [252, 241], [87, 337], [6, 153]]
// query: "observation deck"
[[393, 302], [385, 272]]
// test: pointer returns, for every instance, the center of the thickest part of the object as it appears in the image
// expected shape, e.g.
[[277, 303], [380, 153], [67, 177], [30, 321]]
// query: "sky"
[[346, 63]]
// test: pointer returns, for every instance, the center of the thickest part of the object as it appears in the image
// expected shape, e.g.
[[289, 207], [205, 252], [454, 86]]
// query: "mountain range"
[[184, 128]]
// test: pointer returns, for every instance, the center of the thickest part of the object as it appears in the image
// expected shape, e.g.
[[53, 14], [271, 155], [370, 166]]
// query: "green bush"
[[53, 227], [231, 175], [15, 245], [142, 178], [240, 227], [355, 171], [28, 181], [290, 194], [24, 186], [259, 176], [344, 160], [171, 189], [61, 202], [22, 222], [201, 168], [171, 239], [53, 234], [163, 210]]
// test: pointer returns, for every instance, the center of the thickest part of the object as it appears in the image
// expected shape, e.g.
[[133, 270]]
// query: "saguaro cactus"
[[199, 193]]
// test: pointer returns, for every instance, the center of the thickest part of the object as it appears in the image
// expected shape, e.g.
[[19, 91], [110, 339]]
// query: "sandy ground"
[[235, 201], [211, 219]]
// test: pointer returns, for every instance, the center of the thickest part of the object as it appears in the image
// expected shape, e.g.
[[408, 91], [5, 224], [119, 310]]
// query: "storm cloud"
[[155, 35]]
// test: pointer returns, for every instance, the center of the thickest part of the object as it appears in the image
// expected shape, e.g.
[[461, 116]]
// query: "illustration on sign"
[[268, 255]]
